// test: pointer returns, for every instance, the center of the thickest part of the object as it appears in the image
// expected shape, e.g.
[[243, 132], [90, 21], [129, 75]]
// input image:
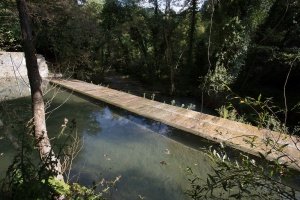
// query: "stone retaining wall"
[[13, 74]]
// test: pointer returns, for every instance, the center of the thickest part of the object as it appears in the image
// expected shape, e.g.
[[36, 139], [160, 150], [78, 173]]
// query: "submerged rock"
[[1, 124], [163, 162]]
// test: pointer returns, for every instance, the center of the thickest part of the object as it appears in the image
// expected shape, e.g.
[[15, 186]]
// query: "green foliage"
[[26, 179], [243, 179], [29, 178], [247, 177], [237, 180], [234, 50], [259, 12], [217, 81], [59, 186], [86, 41], [259, 112], [230, 59], [235, 27], [33, 182], [230, 112], [79, 192], [10, 33], [69, 35], [250, 40]]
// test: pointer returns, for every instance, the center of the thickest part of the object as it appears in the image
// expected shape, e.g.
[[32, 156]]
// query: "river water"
[[150, 158]]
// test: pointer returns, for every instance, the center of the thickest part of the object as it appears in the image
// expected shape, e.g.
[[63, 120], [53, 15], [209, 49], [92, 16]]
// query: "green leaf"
[[259, 97]]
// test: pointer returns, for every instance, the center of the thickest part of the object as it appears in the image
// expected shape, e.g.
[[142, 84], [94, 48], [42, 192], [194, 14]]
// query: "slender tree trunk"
[[38, 107], [168, 52], [192, 33], [155, 32]]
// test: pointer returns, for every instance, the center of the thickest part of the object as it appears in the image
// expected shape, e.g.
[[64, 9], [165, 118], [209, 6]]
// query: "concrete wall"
[[13, 74]]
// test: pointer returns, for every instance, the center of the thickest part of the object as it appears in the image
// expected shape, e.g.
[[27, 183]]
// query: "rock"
[[1, 124], [163, 162], [13, 75]]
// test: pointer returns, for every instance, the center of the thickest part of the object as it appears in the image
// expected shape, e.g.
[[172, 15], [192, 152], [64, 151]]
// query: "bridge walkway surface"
[[240, 136]]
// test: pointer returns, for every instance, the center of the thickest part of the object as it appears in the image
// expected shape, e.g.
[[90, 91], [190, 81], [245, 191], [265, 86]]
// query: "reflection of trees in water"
[[75, 109], [90, 118], [94, 126], [154, 126], [185, 138], [15, 112]]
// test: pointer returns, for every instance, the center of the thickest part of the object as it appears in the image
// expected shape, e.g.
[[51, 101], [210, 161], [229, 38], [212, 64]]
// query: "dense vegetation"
[[253, 40], [210, 49], [248, 45]]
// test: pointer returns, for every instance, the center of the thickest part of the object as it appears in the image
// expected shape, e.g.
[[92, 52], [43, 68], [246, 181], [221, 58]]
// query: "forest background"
[[221, 53], [197, 50]]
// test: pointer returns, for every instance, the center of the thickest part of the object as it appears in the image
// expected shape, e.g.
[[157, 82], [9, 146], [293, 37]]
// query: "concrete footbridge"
[[240, 136]]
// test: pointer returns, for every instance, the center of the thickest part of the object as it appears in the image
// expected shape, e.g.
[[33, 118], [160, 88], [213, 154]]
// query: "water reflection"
[[118, 143], [150, 157]]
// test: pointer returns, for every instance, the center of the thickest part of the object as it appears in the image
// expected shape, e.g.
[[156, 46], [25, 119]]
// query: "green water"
[[151, 158]]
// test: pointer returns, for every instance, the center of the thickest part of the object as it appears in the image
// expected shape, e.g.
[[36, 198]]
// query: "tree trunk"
[[168, 52], [155, 32], [192, 33], [38, 108]]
